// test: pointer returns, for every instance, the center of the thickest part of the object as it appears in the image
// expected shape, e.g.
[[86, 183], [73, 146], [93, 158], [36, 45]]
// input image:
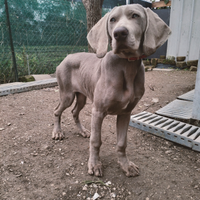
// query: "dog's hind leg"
[[80, 103], [66, 99]]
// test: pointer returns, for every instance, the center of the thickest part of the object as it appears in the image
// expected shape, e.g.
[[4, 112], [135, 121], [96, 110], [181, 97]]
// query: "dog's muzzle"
[[120, 33]]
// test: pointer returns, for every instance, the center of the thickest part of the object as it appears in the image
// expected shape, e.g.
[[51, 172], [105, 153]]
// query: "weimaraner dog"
[[114, 80]]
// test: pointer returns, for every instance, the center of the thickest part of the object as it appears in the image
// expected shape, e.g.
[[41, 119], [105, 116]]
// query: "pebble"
[[85, 187], [112, 195], [155, 100], [168, 152], [96, 196], [108, 183], [64, 193]]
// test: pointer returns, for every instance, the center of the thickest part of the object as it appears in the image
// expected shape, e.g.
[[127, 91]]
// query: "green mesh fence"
[[43, 33]]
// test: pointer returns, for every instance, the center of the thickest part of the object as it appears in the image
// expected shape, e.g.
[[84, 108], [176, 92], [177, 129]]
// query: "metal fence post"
[[11, 42]]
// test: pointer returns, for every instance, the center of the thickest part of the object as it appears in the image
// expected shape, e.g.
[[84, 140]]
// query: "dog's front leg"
[[122, 126], [94, 163]]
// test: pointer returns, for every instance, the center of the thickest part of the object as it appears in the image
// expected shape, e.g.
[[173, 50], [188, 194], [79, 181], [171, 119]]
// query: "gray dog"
[[113, 81]]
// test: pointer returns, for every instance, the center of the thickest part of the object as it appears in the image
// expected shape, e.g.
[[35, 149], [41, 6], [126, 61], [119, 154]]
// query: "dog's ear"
[[156, 33], [98, 37]]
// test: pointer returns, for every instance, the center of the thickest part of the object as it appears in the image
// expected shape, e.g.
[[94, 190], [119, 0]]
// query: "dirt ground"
[[33, 166]]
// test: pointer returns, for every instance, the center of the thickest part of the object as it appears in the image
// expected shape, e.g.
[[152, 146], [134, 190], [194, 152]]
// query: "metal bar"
[[127, 2], [11, 42], [179, 29], [28, 64], [173, 130]]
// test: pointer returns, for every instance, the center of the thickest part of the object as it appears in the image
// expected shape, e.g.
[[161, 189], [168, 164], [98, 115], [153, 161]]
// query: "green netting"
[[43, 32]]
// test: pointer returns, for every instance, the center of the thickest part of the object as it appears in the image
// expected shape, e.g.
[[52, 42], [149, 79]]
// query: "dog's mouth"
[[127, 48], [126, 53]]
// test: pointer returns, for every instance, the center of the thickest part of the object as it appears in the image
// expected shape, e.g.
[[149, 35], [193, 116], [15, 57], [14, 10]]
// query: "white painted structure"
[[196, 101], [185, 26], [185, 39]]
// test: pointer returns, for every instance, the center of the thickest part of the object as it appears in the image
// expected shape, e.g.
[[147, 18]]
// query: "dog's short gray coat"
[[112, 82]]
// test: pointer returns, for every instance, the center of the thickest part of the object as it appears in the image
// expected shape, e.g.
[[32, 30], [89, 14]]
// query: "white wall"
[[185, 26]]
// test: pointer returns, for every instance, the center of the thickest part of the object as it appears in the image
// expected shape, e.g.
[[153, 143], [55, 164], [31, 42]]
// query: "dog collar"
[[136, 58]]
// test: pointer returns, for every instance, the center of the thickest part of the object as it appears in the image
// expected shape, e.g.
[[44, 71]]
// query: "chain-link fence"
[[43, 33]]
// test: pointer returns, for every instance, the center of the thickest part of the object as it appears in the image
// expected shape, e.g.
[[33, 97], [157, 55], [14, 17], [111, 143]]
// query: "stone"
[[96, 196], [148, 68], [180, 58], [169, 62], [170, 58], [160, 61], [85, 187], [181, 64], [146, 62], [193, 68], [162, 57], [27, 78], [166, 61], [154, 61], [192, 63], [39, 77], [155, 100], [64, 193]]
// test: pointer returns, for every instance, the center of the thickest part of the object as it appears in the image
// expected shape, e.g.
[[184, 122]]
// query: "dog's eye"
[[135, 15], [113, 20]]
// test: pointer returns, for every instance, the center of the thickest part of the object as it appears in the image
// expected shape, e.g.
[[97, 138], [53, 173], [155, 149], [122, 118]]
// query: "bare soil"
[[33, 166]]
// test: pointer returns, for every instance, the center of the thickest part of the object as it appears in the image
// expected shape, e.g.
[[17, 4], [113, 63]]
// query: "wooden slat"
[[160, 4]]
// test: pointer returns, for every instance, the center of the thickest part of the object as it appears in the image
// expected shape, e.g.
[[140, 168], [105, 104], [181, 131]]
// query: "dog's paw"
[[85, 133], [95, 169], [57, 135], [130, 169]]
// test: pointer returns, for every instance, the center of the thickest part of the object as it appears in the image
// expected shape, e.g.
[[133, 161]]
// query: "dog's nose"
[[120, 33]]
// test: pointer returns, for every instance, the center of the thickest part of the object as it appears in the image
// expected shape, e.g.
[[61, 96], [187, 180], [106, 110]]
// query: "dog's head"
[[132, 31]]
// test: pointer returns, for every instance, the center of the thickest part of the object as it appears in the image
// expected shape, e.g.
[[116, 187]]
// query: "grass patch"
[[39, 60]]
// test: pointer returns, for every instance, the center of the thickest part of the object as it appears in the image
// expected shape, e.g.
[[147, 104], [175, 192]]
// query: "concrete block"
[[162, 57], [154, 62], [146, 62], [170, 58], [166, 61], [192, 63], [193, 68], [180, 58], [27, 78], [160, 61], [39, 77], [181, 64]]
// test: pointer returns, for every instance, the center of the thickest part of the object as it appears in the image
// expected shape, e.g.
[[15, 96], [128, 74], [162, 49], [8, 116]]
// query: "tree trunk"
[[93, 12]]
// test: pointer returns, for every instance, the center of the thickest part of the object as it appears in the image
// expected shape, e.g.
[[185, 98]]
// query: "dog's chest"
[[121, 103], [120, 97]]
